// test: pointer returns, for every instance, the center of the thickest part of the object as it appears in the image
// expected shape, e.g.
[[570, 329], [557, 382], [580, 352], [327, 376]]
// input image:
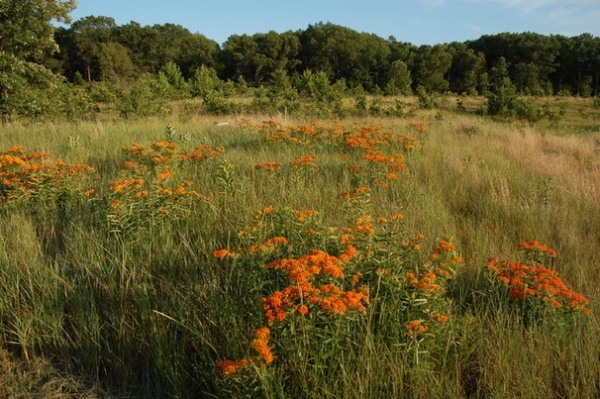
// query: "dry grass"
[[40, 380]]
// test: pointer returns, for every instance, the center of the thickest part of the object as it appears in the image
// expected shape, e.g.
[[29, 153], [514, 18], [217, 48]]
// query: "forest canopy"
[[98, 49], [95, 60]]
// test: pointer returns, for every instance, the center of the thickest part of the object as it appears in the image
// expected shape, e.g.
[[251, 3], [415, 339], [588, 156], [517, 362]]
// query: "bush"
[[502, 98], [425, 100], [279, 96], [204, 82], [30, 90]]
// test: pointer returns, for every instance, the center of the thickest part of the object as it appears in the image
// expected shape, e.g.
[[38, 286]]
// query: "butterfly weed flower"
[[268, 166], [415, 328], [165, 174], [438, 317], [304, 161], [261, 344], [534, 282], [223, 253]]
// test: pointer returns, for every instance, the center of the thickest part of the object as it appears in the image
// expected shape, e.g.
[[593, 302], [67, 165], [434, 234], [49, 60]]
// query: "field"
[[440, 254]]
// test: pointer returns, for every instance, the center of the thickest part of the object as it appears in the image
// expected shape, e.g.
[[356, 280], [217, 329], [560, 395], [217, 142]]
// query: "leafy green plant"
[[425, 100]]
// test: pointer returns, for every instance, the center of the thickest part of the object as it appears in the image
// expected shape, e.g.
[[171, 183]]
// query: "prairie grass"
[[119, 291]]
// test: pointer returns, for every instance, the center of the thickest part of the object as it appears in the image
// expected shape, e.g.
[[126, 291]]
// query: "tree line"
[[98, 49], [34, 53]]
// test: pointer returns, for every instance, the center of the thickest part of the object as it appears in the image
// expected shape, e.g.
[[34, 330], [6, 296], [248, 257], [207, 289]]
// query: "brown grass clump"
[[39, 379]]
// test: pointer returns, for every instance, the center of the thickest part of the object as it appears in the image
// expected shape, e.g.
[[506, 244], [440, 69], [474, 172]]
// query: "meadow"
[[437, 254]]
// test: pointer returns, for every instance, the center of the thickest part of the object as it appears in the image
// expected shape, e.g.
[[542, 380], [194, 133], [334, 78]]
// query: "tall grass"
[[129, 298]]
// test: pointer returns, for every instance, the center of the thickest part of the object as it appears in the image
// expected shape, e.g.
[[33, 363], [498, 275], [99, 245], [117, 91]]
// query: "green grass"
[[144, 309]]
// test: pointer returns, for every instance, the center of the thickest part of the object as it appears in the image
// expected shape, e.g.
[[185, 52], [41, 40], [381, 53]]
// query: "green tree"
[[143, 46], [26, 36], [401, 50], [578, 60], [502, 98], [204, 81], [399, 79], [530, 57], [26, 30], [114, 62], [316, 89], [430, 66], [360, 59], [527, 79], [275, 52], [467, 69], [238, 58], [178, 45], [279, 96], [173, 82], [91, 33]]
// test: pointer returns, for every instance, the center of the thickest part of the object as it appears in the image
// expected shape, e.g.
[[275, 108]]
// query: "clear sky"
[[414, 21]]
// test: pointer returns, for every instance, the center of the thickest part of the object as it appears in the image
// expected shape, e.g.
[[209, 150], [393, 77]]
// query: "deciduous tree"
[[26, 36]]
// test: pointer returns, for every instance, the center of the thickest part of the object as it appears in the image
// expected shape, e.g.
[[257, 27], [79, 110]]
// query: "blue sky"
[[414, 21]]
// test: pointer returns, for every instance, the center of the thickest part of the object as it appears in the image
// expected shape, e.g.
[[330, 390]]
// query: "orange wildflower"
[[438, 317], [263, 211], [165, 174], [303, 310], [415, 328], [536, 246], [356, 278], [223, 253], [229, 367], [350, 253], [304, 161], [164, 144], [268, 166], [16, 149], [523, 280], [7, 160]]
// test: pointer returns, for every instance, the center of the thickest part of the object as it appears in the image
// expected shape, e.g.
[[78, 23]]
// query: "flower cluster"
[[304, 161], [429, 282], [268, 166], [363, 258], [352, 194], [148, 188], [537, 251], [24, 174], [305, 294], [260, 344], [268, 246], [535, 282], [317, 282], [165, 152], [415, 327], [376, 154]]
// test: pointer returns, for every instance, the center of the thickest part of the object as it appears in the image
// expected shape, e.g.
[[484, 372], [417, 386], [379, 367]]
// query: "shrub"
[[425, 100]]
